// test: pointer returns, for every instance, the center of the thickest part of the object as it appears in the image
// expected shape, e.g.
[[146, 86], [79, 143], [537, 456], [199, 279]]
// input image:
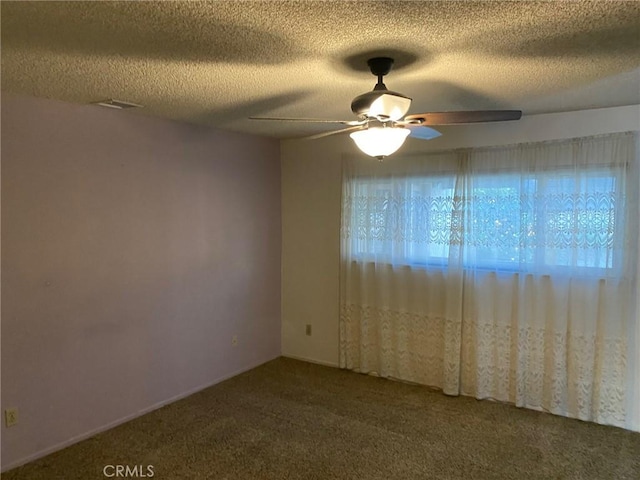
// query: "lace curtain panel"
[[505, 273]]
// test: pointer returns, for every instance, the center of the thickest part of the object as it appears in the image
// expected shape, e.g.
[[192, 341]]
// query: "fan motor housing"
[[394, 102]]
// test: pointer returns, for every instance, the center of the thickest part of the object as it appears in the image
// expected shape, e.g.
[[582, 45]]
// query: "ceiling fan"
[[383, 123]]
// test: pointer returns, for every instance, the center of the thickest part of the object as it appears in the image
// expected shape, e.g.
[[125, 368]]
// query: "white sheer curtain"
[[505, 273]]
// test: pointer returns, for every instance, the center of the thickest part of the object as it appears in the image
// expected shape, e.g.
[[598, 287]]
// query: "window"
[[515, 221]]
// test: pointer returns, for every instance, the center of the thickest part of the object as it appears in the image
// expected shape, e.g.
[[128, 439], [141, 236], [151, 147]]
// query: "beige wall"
[[311, 189], [635, 400], [133, 249]]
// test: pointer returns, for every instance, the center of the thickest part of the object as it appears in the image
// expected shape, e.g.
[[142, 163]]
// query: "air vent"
[[119, 104]]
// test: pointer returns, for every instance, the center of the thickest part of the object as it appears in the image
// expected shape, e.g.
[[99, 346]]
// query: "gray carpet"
[[294, 420]]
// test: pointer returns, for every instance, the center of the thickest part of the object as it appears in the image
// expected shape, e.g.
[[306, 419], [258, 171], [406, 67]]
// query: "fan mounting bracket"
[[380, 66]]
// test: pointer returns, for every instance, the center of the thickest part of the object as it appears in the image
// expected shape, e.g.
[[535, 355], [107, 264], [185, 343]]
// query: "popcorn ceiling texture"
[[216, 63]]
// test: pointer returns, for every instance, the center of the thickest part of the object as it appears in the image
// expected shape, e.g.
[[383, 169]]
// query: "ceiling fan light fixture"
[[382, 112], [380, 142]]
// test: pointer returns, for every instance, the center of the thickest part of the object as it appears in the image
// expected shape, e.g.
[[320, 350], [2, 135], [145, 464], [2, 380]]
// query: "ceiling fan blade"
[[422, 132], [450, 118], [332, 132], [311, 120]]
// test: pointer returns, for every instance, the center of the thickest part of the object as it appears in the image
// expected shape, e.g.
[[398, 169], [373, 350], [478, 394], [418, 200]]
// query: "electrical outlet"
[[10, 417], [234, 341], [308, 329]]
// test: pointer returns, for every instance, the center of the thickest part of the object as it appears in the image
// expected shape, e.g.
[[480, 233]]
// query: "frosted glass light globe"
[[380, 141]]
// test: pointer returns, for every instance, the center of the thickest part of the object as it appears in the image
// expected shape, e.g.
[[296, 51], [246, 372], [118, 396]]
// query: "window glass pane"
[[510, 221]]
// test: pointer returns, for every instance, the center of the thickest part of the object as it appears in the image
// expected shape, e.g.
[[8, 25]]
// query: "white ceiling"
[[216, 63]]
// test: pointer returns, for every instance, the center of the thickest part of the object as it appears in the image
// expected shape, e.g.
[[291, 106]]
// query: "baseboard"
[[311, 360], [110, 425]]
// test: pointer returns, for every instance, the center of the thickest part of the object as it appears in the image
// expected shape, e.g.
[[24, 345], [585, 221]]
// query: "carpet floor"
[[294, 420]]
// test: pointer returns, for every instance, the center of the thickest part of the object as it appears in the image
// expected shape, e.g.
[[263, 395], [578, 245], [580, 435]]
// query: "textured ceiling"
[[216, 63]]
